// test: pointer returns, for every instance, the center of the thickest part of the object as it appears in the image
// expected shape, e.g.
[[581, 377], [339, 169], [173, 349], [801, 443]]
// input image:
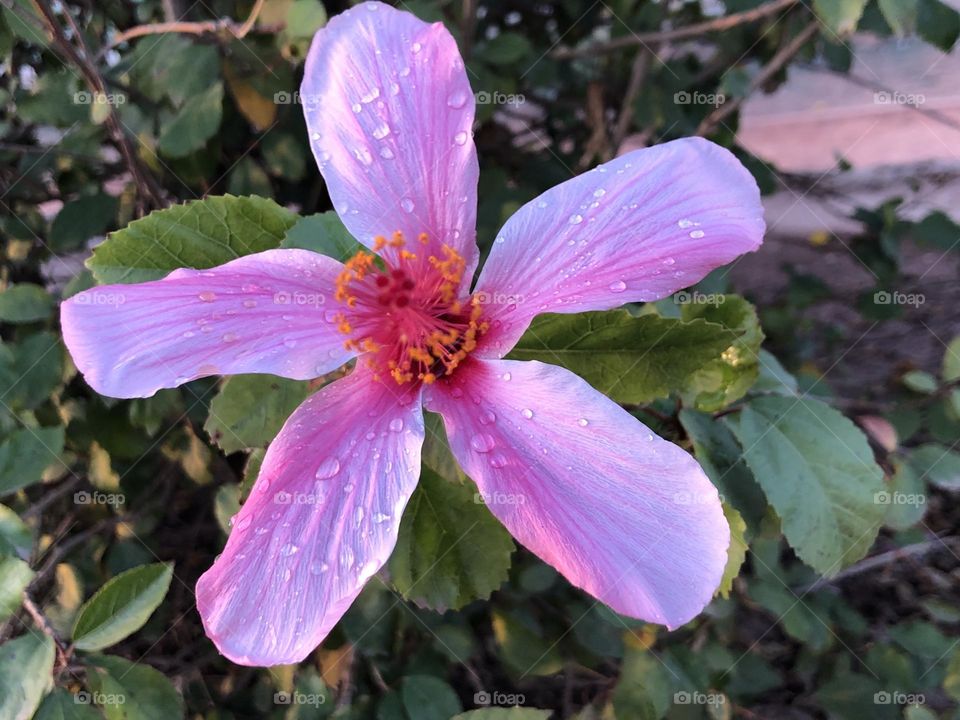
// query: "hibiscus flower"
[[390, 110]]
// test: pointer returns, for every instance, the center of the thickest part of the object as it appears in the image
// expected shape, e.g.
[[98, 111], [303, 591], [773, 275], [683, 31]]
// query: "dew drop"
[[407, 205], [207, 296], [460, 138], [416, 48], [487, 417], [380, 517], [381, 131], [358, 516], [506, 377], [599, 192], [576, 219], [482, 443], [527, 413], [356, 107], [288, 549], [696, 234], [318, 568], [328, 468], [583, 422], [498, 461], [370, 96], [244, 523], [618, 287], [684, 223], [363, 155], [396, 425], [457, 99]]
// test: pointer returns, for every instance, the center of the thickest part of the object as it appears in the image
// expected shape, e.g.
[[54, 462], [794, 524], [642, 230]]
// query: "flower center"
[[403, 310]]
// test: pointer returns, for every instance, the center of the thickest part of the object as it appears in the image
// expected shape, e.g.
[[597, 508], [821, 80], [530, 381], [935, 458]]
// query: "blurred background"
[[847, 112]]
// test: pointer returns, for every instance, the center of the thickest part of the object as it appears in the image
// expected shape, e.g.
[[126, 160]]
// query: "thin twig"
[[682, 33], [916, 551], [777, 62], [206, 27], [641, 63]]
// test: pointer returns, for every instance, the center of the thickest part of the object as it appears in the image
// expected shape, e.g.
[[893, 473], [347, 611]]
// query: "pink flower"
[[390, 111]]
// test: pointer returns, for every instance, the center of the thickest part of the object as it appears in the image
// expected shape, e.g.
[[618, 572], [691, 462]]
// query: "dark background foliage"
[[112, 110]]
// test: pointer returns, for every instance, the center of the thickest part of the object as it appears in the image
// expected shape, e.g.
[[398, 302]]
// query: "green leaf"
[[25, 303], [905, 499], [82, 219], [147, 694], [938, 464], [736, 553], [62, 705], [323, 233], [920, 382], [26, 453], [30, 370], [644, 690], [728, 378], [503, 713], [951, 361], [901, 15], [199, 234], [304, 18], [630, 359], [506, 48], [121, 606], [773, 378], [249, 410], [818, 473], [26, 667], [196, 122], [524, 647], [840, 16], [720, 456], [938, 23], [429, 698], [15, 575], [921, 639], [16, 539], [450, 549]]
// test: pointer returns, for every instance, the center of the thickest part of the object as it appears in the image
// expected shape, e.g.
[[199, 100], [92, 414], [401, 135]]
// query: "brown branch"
[[207, 27], [682, 33], [777, 62], [149, 192], [641, 64]]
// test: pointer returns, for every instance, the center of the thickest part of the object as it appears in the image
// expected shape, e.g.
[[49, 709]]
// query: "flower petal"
[[390, 112], [262, 313], [321, 519], [637, 228], [623, 514]]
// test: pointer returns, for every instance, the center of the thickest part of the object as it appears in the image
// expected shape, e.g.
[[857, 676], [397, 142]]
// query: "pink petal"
[[637, 228], [390, 111], [623, 514], [271, 312], [321, 519]]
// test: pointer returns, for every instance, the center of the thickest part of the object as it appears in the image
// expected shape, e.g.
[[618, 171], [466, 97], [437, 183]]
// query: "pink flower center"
[[403, 311]]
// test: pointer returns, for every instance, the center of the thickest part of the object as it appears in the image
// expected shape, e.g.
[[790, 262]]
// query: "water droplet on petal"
[[696, 234], [416, 47], [460, 138], [249, 303], [599, 192], [487, 417], [381, 131], [328, 468], [506, 377], [576, 219], [499, 460], [386, 153], [457, 99], [207, 296], [317, 568], [396, 425], [244, 523], [527, 413], [288, 549], [407, 205], [482, 443], [618, 287], [583, 422]]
